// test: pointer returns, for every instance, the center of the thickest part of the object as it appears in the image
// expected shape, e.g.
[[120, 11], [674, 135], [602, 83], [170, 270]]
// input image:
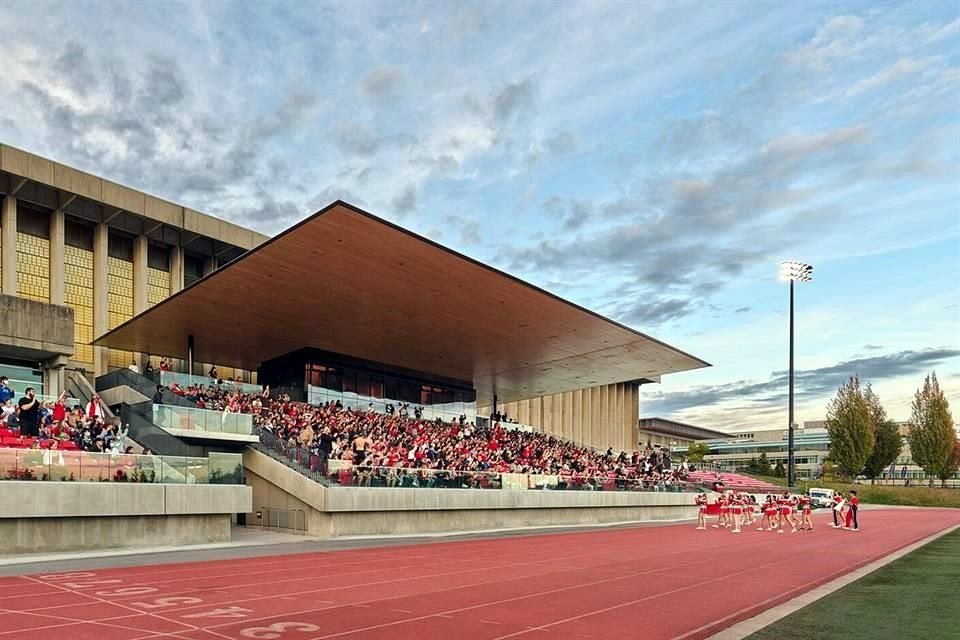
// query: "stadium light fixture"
[[792, 271]]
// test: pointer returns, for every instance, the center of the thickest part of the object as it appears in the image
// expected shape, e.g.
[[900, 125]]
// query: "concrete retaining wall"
[[60, 516], [346, 511]]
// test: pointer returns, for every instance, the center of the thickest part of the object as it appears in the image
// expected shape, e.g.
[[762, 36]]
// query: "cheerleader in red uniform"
[[701, 501], [724, 509], [806, 524], [769, 514], [736, 510]]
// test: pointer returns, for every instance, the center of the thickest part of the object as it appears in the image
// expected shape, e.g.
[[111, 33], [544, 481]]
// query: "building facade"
[[106, 251]]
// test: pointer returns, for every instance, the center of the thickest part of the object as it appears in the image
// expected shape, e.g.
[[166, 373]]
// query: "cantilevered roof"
[[346, 281]]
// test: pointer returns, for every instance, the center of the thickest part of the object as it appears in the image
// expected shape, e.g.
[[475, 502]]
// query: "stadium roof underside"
[[348, 282]]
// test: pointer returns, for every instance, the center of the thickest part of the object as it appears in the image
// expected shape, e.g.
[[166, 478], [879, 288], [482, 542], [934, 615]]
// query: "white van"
[[822, 497]]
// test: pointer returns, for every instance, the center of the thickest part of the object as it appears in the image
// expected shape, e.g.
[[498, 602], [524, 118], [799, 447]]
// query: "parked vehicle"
[[822, 497]]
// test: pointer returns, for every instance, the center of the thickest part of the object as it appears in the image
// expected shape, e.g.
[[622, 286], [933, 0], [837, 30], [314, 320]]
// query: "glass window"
[[363, 384], [376, 386]]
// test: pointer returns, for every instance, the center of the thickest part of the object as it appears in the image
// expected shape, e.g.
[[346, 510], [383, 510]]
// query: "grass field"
[[913, 597]]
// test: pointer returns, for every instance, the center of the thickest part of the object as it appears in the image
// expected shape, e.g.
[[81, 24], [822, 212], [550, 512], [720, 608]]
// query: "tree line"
[[863, 440]]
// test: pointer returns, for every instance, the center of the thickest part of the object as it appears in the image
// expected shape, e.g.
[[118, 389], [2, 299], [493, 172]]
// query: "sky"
[[652, 161]]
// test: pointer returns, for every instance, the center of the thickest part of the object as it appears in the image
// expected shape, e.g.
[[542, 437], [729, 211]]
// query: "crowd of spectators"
[[372, 443], [63, 423]]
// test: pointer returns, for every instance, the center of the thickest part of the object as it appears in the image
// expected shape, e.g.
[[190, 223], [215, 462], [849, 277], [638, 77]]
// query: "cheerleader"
[[769, 513], [787, 507], [723, 510], [806, 524], [701, 501], [736, 510]]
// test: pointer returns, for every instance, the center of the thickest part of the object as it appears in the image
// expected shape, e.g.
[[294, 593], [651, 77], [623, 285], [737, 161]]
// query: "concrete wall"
[[344, 511], [58, 516], [34, 535], [35, 327]]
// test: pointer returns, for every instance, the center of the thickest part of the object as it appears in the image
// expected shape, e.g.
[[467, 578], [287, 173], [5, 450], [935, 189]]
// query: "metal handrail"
[[265, 522]]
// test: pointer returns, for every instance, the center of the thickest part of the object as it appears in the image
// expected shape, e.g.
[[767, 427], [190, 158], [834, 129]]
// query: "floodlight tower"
[[792, 272]]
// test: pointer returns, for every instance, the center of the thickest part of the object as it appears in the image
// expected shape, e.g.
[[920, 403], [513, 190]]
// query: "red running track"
[[651, 582]]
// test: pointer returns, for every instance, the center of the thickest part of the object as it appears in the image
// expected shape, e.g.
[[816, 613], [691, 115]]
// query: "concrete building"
[[660, 432], [102, 250]]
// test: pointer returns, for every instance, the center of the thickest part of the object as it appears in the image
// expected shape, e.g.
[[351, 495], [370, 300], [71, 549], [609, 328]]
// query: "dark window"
[[363, 384], [349, 382], [158, 257], [78, 234], [376, 386], [120, 247], [33, 222]]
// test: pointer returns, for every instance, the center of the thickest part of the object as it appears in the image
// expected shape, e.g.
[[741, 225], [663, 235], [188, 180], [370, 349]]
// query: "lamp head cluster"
[[796, 271]]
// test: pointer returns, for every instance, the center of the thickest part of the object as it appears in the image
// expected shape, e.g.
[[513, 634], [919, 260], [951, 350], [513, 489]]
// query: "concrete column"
[[8, 238], [58, 220], [53, 375], [101, 322], [140, 304], [209, 265], [176, 284], [176, 269]]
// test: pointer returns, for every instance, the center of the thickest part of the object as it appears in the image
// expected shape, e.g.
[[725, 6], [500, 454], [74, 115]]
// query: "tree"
[[953, 463], [696, 451], [779, 471], [887, 442], [763, 465], [752, 466], [931, 430], [850, 427]]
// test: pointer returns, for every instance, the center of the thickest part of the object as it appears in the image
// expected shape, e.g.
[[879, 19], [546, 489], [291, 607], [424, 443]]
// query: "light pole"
[[792, 272]]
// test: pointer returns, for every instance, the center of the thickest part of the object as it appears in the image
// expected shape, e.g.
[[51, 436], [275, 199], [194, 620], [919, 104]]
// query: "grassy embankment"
[[883, 494]]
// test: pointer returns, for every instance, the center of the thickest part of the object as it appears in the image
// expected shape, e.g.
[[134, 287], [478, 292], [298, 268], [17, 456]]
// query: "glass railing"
[[187, 419], [448, 412], [80, 466], [167, 378], [341, 473]]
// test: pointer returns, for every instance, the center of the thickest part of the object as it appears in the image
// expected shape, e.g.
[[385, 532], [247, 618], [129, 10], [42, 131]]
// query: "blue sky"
[[653, 161]]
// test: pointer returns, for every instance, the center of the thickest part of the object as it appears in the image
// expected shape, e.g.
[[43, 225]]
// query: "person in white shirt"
[[94, 408], [133, 367]]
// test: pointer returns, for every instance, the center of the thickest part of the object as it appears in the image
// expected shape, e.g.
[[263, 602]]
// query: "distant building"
[[660, 432]]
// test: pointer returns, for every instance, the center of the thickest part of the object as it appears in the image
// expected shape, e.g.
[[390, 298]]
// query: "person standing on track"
[[806, 522], [721, 511], [853, 505], [701, 501], [837, 506]]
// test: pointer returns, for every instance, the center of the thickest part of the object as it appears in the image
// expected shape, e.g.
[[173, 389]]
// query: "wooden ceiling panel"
[[348, 282]]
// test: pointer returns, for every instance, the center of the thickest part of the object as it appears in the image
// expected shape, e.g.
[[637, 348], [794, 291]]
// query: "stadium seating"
[[735, 481]]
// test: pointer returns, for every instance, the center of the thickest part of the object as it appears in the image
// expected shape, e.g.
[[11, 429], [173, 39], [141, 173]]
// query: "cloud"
[[383, 81], [356, 139], [903, 68], [873, 347], [742, 310], [513, 99], [468, 228], [809, 384], [682, 236], [406, 200]]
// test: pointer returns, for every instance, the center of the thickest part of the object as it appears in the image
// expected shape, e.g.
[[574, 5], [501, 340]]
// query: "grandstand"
[[192, 352]]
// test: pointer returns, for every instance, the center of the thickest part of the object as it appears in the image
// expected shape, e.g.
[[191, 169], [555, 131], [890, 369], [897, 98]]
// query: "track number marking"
[[57, 577], [228, 612], [127, 591], [277, 629], [172, 601]]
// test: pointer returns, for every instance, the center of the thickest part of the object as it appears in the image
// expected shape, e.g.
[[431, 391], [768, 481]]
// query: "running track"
[[652, 582]]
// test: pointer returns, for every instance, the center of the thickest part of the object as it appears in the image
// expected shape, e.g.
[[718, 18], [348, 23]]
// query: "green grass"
[[882, 494], [913, 597], [906, 496]]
